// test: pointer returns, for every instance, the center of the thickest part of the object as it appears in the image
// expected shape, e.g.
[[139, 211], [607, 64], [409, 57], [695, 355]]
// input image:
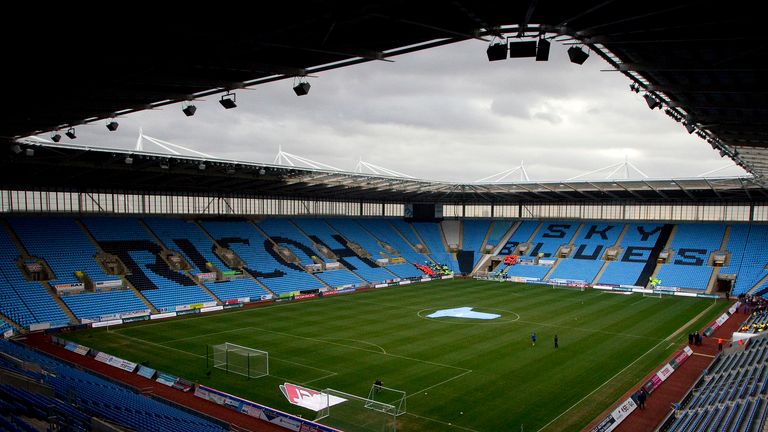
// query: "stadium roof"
[[91, 169], [704, 59]]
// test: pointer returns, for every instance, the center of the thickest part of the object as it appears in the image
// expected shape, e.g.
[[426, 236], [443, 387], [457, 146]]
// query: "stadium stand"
[[186, 238], [261, 261], [383, 230], [128, 239], [475, 231], [4, 327], [93, 397], [497, 231], [640, 247], [588, 248], [23, 301], [63, 245], [430, 233], [283, 232], [748, 245], [731, 394], [322, 233], [521, 235], [692, 244], [98, 304]]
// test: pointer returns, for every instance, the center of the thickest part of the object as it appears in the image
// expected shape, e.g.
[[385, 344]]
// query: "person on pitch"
[[377, 385], [533, 339]]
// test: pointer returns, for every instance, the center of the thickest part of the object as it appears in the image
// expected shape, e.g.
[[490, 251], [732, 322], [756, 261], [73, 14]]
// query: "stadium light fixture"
[[165, 164], [189, 110], [201, 167], [228, 100], [689, 126], [16, 148], [652, 102], [521, 49], [29, 152], [71, 133], [577, 55], [497, 51], [56, 137], [112, 126], [128, 160], [302, 88], [262, 171]]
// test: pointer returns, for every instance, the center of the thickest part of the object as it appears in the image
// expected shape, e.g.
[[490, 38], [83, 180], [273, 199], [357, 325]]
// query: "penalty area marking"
[[469, 321]]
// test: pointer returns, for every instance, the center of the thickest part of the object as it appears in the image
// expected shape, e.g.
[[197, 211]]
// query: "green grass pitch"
[[459, 374]]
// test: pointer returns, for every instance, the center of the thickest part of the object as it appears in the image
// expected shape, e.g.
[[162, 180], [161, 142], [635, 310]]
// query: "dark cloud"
[[445, 113]]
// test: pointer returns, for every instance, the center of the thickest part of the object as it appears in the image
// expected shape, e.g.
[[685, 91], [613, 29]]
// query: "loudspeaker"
[[497, 52], [302, 89], [542, 54]]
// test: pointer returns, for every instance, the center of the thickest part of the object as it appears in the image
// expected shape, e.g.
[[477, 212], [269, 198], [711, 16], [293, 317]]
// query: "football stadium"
[[160, 288]]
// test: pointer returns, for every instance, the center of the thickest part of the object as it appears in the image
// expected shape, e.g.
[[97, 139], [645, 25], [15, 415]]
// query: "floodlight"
[[497, 51], [542, 53], [128, 160], [56, 137], [262, 171], [722, 153], [16, 148], [29, 152], [165, 165], [228, 100], [189, 110], [651, 101], [301, 88], [71, 133], [690, 127], [201, 166], [112, 126], [577, 55]]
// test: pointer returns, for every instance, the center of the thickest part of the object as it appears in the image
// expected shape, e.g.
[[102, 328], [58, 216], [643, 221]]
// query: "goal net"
[[241, 360], [359, 414], [571, 287]]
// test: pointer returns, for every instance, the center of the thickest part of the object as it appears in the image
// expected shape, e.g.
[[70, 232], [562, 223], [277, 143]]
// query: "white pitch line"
[[199, 336], [672, 336], [416, 393], [383, 351], [442, 422], [365, 350]]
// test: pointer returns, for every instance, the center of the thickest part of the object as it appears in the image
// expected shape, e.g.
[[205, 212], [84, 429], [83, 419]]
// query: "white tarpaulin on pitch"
[[308, 398]]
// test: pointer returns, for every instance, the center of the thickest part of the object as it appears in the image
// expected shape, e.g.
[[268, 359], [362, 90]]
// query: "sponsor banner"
[[231, 301], [107, 323], [381, 285], [603, 287], [314, 267], [109, 317], [450, 276], [211, 309], [188, 312], [146, 372], [183, 308], [109, 284], [308, 398], [681, 294], [665, 372], [39, 326], [382, 261], [231, 273], [732, 310], [287, 421], [76, 348], [612, 420], [652, 384], [339, 291], [712, 296], [642, 290], [546, 262], [632, 287], [135, 314], [166, 379], [426, 279], [205, 305], [115, 362], [304, 296], [204, 277], [666, 288], [397, 260], [720, 320], [162, 315], [404, 282], [263, 298], [70, 287], [333, 265]]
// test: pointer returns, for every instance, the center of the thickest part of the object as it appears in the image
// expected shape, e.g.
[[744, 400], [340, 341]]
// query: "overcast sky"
[[441, 114]]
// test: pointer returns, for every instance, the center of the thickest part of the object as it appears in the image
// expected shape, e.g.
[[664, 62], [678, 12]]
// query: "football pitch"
[[459, 374]]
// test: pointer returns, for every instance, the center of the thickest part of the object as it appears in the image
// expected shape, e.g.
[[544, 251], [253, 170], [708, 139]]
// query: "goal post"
[[360, 414], [654, 294], [232, 358]]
